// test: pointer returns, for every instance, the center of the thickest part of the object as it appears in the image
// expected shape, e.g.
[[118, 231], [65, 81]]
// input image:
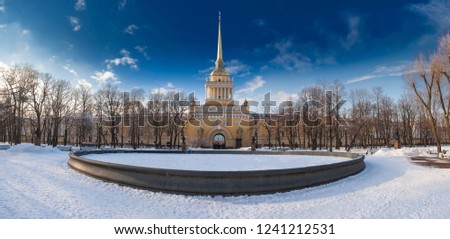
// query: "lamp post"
[[256, 134], [183, 140]]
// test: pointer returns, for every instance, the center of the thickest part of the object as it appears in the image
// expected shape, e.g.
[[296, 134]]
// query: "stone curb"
[[192, 182]]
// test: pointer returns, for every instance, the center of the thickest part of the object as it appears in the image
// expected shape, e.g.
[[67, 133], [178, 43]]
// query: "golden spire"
[[220, 68], [219, 42]]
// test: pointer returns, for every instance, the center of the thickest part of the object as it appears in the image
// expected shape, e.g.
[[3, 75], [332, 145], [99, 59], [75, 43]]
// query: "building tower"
[[219, 87]]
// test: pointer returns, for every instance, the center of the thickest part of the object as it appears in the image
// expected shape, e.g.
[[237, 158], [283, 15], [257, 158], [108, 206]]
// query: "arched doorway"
[[219, 141]]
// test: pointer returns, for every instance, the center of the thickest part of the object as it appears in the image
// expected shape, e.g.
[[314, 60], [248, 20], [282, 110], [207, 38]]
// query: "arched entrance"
[[219, 141]]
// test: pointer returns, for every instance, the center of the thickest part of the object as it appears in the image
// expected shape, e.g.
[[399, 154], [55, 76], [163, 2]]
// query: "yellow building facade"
[[221, 122]]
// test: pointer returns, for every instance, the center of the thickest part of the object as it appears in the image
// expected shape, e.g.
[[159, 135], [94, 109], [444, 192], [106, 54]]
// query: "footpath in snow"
[[35, 182]]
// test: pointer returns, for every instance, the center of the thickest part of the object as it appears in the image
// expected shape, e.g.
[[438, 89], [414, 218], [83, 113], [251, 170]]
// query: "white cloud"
[[83, 83], [281, 96], [169, 87], [75, 23], [143, 51], [252, 85], [122, 4], [68, 68], [80, 5], [20, 46], [131, 29], [3, 65], [353, 34], [437, 12], [3, 27], [289, 58], [105, 76], [126, 59]]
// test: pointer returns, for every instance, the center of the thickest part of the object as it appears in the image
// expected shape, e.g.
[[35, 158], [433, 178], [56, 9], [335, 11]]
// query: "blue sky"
[[269, 45]]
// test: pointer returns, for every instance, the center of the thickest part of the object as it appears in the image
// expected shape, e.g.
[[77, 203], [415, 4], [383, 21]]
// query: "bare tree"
[[339, 93], [386, 119], [422, 79], [84, 115], [157, 116], [40, 90], [61, 95], [177, 110], [407, 113], [110, 104], [311, 98], [18, 81], [361, 123], [134, 115]]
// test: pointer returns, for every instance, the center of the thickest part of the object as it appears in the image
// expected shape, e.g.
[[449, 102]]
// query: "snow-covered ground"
[[37, 183], [215, 162]]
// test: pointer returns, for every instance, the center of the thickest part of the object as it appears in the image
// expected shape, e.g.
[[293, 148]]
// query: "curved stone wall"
[[215, 182]]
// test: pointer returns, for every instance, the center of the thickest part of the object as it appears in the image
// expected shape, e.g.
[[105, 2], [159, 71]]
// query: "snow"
[[214, 162], [38, 184], [30, 148], [410, 152]]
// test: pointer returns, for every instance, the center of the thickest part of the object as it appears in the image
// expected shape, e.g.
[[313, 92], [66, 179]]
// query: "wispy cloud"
[[143, 51], [122, 4], [237, 68], [259, 22], [437, 12], [234, 67], [353, 32], [164, 89], [131, 29], [252, 85], [288, 56], [125, 60], [2, 6], [80, 5], [69, 68], [75, 23], [382, 71], [3, 27], [105, 76], [363, 78]]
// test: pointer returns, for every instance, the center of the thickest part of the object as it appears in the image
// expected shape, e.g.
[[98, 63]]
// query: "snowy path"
[[41, 185]]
